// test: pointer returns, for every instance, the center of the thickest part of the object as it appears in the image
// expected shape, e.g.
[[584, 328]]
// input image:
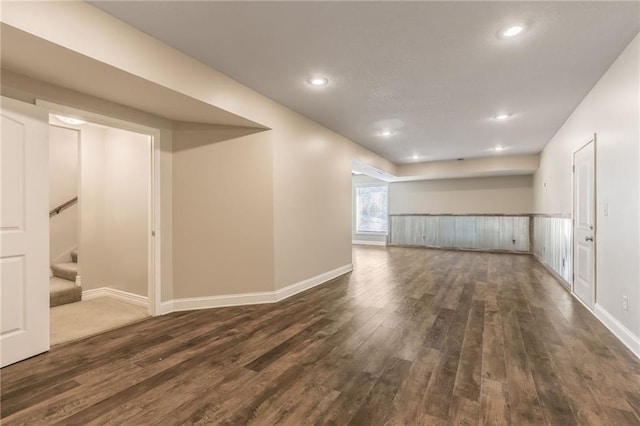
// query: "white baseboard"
[[623, 334], [301, 286], [191, 303], [369, 243], [134, 299]]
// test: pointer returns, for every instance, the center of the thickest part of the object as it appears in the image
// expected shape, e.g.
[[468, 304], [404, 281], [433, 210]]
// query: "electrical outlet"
[[513, 241], [625, 303]]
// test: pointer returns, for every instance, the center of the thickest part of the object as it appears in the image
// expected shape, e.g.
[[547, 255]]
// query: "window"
[[371, 209]]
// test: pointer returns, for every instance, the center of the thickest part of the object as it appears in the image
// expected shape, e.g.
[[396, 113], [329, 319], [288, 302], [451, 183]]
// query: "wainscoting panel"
[[552, 239], [509, 233]]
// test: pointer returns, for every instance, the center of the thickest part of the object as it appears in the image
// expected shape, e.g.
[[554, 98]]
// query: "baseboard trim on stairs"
[[227, 300], [134, 299], [65, 256], [630, 340]]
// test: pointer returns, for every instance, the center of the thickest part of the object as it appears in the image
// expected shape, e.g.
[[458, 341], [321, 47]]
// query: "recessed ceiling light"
[[70, 120], [386, 133], [415, 157], [512, 31], [501, 116], [500, 148], [318, 81]]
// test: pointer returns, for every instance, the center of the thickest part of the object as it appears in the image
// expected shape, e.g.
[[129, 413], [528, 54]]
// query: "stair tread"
[[63, 291], [68, 266], [68, 271], [57, 285]]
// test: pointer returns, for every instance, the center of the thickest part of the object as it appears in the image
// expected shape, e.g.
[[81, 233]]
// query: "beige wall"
[[612, 110], [92, 208], [26, 89], [114, 209], [223, 211], [504, 194], [63, 186], [309, 166], [127, 196], [278, 200], [312, 201]]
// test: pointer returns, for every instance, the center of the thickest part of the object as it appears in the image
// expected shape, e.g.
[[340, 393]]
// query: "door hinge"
[[574, 168]]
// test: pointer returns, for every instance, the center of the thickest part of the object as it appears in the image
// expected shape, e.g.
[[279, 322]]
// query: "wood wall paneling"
[[481, 232], [552, 240]]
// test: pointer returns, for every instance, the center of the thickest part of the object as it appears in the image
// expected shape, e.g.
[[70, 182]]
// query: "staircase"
[[62, 286]]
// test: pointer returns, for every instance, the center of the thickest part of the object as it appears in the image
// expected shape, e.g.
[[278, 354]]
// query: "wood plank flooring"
[[412, 336]]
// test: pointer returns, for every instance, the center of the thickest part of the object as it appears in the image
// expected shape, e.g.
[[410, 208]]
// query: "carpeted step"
[[74, 255], [67, 271], [63, 291]]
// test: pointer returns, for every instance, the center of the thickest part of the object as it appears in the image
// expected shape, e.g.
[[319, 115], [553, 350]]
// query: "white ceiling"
[[433, 72]]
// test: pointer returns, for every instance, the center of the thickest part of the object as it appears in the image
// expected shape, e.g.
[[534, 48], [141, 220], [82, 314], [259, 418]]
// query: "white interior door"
[[584, 223], [24, 232]]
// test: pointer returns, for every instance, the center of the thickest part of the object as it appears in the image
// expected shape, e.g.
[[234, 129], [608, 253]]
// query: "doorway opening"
[[102, 216]]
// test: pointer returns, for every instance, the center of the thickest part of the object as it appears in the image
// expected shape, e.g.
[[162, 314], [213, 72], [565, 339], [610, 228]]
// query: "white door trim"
[[595, 225], [154, 234]]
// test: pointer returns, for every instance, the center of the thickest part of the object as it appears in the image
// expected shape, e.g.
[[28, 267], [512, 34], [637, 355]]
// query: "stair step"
[[74, 255], [67, 271], [63, 291]]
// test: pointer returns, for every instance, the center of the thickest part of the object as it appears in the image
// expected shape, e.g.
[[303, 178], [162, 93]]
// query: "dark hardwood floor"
[[412, 336]]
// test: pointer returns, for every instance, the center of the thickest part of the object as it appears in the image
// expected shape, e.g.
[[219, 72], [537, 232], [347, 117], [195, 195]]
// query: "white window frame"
[[357, 212]]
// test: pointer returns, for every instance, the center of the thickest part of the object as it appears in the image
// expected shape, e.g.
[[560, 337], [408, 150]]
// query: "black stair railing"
[[63, 206]]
